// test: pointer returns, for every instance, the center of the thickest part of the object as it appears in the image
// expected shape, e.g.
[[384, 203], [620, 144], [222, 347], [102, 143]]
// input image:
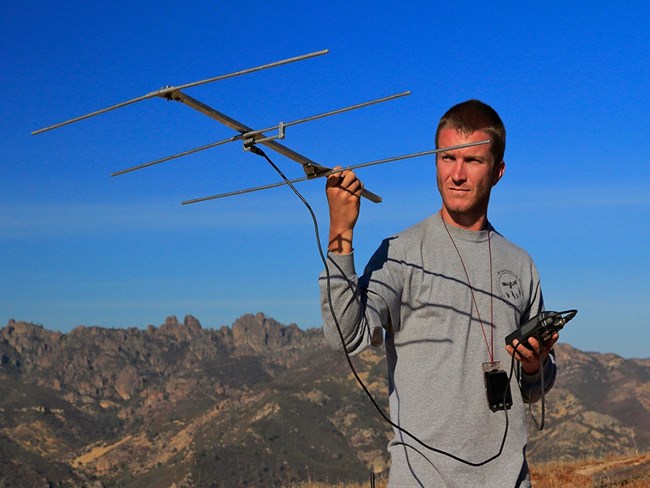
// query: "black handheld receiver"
[[542, 326]]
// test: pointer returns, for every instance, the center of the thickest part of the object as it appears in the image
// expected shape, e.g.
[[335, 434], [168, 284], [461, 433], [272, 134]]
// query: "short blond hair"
[[474, 115]]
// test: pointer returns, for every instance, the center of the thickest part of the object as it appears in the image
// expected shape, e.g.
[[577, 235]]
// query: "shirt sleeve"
[[357, 310], [531, 384]]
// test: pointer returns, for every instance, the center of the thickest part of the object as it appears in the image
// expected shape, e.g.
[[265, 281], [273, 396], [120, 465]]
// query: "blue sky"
[[80, 247]]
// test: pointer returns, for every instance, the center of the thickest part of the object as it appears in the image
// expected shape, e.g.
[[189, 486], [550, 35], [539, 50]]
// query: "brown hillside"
[[255, 404]]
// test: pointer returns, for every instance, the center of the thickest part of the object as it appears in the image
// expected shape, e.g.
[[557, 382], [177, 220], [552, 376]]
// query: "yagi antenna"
[[248, 135]]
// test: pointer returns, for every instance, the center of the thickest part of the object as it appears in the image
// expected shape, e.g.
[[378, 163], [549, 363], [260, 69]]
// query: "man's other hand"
[[530, 355]]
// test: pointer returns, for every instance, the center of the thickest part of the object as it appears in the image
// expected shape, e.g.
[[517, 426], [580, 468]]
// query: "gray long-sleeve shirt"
[[415, 298]]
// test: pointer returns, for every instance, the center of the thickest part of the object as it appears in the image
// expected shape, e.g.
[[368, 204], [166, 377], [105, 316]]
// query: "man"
[[442, 296]]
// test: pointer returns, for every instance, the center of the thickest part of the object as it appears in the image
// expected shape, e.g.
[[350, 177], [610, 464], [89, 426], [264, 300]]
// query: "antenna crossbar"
[[334, 171], [176, 156], [330, 113], [165, 91]]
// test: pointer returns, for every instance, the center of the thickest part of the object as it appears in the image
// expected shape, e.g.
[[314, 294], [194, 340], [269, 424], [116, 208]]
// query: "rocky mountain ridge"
[[256, 404]]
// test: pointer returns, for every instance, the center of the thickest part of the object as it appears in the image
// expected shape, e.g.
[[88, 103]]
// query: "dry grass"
[[582, 474], [378, 484], [558, 474]]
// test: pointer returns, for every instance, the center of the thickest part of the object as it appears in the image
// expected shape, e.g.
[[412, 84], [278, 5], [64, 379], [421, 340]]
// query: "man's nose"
[[459, 174]]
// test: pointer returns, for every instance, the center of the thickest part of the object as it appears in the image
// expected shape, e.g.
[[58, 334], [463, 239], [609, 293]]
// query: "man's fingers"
[[348, 178], [523, 353], [333, 179], [533, 344], [529, 353], [355, 187], [345, 180], [520, 351]]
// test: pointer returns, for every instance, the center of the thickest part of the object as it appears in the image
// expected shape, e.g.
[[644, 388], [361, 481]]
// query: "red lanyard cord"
[[489, 345]]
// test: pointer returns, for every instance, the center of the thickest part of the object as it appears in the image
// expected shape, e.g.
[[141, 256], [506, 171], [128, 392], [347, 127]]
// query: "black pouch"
[[497, 387]]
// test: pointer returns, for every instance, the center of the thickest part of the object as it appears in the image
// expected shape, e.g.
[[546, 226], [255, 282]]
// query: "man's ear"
[[499, 169]]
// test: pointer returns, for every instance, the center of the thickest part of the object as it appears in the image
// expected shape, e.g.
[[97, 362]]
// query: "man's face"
[[466, 177]]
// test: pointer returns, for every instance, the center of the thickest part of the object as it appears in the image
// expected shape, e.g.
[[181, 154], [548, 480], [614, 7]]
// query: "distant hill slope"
[[255, 404], [600, 405]]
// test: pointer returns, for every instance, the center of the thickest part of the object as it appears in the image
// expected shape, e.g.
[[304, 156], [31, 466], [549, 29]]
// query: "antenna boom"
[[253, 136]]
